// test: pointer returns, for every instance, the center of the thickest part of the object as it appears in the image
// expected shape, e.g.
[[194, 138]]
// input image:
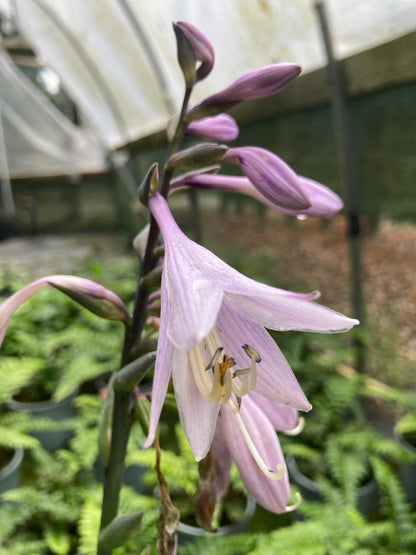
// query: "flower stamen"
[[280, 468], [215, 380]]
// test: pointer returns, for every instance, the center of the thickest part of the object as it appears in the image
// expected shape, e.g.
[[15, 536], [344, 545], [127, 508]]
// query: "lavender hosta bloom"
[[324, 202], [270, 175], [212, 335], [202, 48], [217, 128], [91, 295], [258, 419], [259, 83]]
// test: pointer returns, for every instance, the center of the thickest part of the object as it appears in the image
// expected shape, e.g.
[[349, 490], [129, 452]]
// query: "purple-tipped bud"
[[270, 175], [197, 156], [259, 83], [201, 47], [217, 128], [91, 295], [324, 202]]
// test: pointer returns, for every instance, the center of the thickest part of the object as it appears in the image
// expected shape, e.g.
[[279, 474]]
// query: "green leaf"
[[120, 530]]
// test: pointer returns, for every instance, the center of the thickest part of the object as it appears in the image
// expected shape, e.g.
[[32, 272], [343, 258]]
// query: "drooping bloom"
[[270, 175], [212, 335], [91, 295], [217, 128], [324, 202], [202, 48], [259, 83], [260, 419]]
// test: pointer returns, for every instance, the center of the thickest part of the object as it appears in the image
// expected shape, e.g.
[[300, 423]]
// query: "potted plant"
[[66, 357], [337, 444], [13, 428]]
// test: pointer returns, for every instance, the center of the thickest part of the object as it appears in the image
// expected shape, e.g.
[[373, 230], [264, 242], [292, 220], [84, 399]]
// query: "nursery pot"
[[188, 533], [57, 411], [10, 474], [407, 472], [311, 491]]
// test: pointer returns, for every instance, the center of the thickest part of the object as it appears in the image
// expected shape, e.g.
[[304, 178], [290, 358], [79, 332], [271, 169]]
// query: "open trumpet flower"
[[212, 336]]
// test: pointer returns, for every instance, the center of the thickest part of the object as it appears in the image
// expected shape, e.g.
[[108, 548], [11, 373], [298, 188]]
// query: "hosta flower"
[[212, 335], [91, 295], [253, 429], [324, 202], [259, 83], [217, 128], [274, 179]]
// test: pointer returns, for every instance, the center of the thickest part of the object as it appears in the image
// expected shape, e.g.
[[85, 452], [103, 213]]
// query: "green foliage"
[[54, 346], [15, 372]]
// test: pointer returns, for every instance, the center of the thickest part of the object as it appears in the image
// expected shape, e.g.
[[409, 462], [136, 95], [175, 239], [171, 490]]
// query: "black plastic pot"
[[10, 474], [57, 411], [187, 533], [368, 496]]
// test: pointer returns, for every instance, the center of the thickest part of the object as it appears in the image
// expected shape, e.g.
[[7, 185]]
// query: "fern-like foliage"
[[395, 507], [15, 372]]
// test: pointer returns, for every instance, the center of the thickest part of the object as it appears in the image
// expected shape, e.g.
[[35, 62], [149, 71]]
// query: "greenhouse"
[[207, 277]]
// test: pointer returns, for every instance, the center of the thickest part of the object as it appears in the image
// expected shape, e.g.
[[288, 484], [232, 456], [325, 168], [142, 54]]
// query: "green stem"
[[122, 419], [114, 472]]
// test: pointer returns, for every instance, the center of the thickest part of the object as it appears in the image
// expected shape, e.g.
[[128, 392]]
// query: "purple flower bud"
[[217, 128], [91, 295], [202, 48], [270, 175], [324, 202], [259, 83]]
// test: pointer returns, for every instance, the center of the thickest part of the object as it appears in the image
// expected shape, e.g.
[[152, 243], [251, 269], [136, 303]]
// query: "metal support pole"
[[348, 176]]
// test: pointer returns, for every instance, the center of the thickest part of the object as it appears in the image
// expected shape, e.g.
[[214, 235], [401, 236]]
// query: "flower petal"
[[273, 495], [283, 418], [283, 313], [275, 378], [222, 461], [198, 416], [162, 370], [194, 301]]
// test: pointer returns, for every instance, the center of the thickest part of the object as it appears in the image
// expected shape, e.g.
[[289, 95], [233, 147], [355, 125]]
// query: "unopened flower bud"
[[197, 156], [149, 184], [187, 35], [91, 295], [217, 128], [270, 175], [261, 82]]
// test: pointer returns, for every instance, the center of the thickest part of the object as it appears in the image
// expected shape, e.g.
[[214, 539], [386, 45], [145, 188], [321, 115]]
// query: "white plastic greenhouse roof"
[[117, 60]]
